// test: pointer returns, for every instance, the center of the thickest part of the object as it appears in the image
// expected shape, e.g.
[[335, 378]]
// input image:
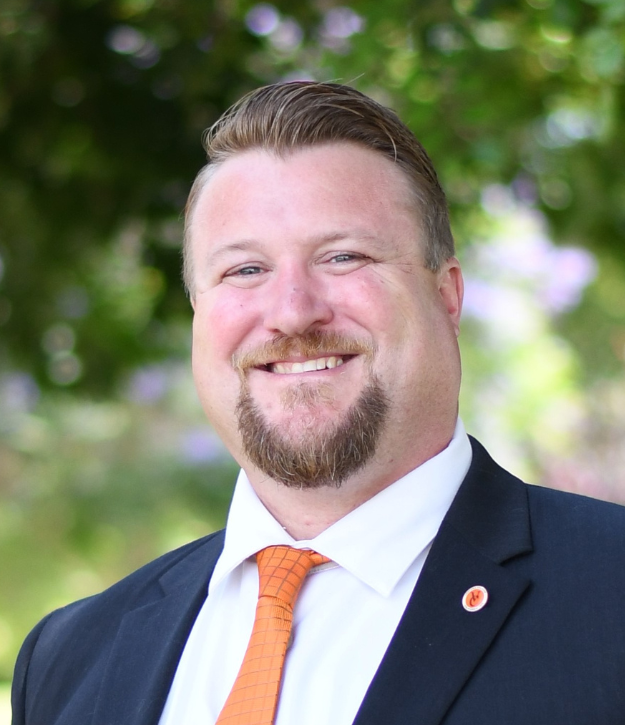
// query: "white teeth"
[[322, 363]]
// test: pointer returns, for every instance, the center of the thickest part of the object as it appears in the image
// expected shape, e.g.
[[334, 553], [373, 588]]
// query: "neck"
[[305, 513]]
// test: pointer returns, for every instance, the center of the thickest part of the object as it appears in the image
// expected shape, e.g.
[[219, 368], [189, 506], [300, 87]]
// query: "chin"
[[313, 445]]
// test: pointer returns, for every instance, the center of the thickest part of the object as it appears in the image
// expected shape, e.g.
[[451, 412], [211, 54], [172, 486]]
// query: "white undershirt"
[[377, 550]]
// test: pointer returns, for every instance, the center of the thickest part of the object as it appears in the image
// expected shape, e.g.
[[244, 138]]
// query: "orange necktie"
[[254, 695]]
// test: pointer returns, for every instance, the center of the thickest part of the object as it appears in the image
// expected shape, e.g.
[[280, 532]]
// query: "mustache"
[[312, 344]]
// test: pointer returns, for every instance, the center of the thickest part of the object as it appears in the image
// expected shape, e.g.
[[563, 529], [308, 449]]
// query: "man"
[[327, 300]]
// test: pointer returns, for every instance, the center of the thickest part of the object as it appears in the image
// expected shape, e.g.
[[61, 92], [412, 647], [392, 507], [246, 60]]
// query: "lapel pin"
[[475, 599]]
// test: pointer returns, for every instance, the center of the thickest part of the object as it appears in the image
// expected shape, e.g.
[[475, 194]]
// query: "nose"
[[297, 304]]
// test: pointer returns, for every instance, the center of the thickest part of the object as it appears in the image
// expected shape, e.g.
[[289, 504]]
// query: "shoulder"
[[542, 500], [493, 505], [82, 632], [142, 585], [577, 525]]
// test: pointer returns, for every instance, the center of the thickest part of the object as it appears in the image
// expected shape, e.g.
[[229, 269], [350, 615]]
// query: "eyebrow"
[[352, 234], [241, 246], [245, 245]]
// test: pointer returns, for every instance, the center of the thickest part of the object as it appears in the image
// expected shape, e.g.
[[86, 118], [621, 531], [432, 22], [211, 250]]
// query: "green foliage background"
[[105, 458]]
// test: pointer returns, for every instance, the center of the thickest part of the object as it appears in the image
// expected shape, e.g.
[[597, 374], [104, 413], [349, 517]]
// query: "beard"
[[313, 455]]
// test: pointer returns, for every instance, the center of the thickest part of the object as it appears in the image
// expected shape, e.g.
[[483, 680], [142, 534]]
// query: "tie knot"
[[282, 570]]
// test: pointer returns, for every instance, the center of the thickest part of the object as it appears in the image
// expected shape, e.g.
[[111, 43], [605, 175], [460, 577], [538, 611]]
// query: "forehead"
[[339, 175]]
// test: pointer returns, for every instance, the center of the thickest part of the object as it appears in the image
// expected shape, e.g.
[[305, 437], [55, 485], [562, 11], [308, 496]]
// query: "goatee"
[[314, 456]]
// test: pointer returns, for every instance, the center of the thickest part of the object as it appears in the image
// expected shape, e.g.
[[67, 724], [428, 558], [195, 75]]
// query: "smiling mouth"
[[314, 352], [306, 366]]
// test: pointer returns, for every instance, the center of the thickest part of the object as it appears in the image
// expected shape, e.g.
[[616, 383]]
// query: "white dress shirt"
[[346, 613]]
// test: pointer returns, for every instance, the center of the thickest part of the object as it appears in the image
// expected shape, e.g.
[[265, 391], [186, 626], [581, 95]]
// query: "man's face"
[[317, 326]]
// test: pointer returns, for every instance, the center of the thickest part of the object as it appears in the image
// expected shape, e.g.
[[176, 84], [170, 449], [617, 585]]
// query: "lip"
[[300, 365]]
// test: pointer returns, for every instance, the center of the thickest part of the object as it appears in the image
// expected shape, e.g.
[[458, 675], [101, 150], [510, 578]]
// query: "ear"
[[451, 289]]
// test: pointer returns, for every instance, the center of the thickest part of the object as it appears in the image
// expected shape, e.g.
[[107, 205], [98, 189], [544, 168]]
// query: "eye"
[[344, 262], [347, 258], [344, 257], [245, 275], [249, 270]]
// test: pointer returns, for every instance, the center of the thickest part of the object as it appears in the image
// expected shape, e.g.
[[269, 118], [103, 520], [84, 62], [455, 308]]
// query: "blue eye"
[[248, 271], [345, 257]]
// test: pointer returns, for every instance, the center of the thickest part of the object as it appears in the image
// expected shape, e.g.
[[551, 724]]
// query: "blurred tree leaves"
[[102, 104]]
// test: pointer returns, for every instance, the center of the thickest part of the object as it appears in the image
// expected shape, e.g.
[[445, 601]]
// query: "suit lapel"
[[438, 644], [150, 640]]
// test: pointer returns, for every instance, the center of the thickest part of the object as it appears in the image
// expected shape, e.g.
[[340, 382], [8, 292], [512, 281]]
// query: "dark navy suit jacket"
[[547, 649]]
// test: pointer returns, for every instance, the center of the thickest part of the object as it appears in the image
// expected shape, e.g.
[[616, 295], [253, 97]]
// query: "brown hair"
[[287, 116]]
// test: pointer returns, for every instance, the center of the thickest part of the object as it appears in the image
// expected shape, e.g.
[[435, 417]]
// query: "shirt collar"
[[378, 541]]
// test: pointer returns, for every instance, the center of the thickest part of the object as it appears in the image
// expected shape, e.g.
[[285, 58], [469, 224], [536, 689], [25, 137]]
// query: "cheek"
[[379, 305], [358, 294], [221, 322], [407, 323], [215, 336]]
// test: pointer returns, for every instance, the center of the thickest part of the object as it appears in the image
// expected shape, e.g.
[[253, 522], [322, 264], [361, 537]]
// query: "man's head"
[[326, 312], [289, 116]]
